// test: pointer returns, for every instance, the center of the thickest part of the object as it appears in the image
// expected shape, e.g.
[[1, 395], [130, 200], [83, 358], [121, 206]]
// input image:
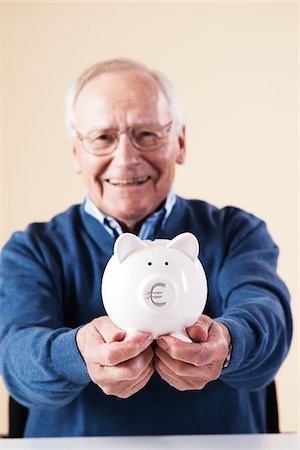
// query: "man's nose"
[[125, 151]]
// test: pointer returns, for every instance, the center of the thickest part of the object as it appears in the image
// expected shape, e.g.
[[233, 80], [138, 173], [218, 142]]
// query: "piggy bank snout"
[[157, 292]]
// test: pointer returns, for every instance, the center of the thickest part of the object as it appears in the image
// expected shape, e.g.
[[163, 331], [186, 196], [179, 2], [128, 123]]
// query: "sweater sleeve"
[[39, 360], [256, 303]]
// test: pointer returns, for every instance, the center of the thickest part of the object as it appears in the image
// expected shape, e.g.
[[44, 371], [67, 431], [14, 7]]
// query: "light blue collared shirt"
[[148, 228]]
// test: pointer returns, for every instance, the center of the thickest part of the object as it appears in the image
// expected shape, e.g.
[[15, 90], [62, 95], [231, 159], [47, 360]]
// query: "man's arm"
[[256, 317], [39, 357]]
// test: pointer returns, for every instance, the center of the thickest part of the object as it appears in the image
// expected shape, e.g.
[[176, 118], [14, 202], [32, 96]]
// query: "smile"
[[127, 181]]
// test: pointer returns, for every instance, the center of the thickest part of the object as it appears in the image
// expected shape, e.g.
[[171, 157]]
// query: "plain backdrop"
[[234, 65]]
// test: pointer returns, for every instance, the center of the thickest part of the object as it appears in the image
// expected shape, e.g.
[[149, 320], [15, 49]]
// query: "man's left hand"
[[190, 366]]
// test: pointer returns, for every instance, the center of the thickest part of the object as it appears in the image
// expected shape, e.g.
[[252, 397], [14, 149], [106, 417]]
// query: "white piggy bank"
[[158, 287]]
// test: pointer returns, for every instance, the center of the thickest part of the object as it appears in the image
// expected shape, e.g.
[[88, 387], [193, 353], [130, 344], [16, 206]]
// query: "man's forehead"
[[120, 86], [111, 95]]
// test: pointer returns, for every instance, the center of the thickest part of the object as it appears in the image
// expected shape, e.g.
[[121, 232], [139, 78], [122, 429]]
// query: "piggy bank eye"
[[149, 263], [166, 263]]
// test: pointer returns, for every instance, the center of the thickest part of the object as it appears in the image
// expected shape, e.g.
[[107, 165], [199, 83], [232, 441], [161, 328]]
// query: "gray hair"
[[118, 65]]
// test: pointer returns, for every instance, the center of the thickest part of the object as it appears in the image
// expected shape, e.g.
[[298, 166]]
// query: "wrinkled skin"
[[122, 367], [120, 101]]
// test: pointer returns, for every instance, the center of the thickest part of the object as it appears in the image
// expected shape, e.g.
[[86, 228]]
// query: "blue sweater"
[[50, 285]]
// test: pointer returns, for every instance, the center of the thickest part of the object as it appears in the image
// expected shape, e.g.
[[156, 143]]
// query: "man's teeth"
[[128, 181]]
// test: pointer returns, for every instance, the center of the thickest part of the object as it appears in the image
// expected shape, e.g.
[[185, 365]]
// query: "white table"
[[204, 442]]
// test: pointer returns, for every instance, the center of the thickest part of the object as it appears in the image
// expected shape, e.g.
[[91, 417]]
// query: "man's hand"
[[188, 366], [118, 367]]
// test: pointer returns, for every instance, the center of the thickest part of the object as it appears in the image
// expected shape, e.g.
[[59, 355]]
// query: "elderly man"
[[63, 358]]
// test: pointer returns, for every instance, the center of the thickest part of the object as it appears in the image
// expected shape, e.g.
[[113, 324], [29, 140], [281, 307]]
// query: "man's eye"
[[102, 140], [146, 135], [104, 137]]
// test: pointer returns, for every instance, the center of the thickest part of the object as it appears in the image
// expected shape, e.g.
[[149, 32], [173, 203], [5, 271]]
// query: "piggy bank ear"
[[126, 244], [187, 243]]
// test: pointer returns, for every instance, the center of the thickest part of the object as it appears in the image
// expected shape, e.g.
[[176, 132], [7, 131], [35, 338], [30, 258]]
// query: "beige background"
[[234, 66]]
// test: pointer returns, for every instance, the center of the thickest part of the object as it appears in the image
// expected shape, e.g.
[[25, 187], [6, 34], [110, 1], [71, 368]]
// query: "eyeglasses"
[[145, 138]]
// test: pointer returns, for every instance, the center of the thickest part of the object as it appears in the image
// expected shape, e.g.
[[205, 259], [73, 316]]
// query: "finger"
[[141, 382], [135, 367], [117, 352], [216, 347], [108, 330], [182, 351], [124, 388], [169, 379], [179, 368], [181, 383], [198, 354], [203, 374], [125, 371], [198, 332]]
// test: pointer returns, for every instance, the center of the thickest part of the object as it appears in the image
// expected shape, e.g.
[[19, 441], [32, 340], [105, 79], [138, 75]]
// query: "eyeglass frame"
[[127, 131]]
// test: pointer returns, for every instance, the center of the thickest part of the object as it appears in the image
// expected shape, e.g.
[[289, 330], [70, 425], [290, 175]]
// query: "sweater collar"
[[149, 228]]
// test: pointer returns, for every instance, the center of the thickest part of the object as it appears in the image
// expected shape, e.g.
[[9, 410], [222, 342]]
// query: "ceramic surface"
[[156, 286]]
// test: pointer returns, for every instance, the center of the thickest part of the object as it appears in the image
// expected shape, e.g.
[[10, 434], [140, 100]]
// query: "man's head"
[[129, 166]]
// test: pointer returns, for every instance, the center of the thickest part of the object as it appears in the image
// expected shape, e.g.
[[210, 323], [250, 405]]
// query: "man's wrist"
[[227, 336], [228, 357]]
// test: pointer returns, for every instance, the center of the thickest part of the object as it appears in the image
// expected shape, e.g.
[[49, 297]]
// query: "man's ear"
[[76, 164], [181, 146]]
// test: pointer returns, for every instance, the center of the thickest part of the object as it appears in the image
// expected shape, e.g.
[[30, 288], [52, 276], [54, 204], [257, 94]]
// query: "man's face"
[[122, 100]]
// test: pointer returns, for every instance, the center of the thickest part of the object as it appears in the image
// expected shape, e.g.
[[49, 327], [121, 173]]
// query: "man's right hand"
[[118, 367]]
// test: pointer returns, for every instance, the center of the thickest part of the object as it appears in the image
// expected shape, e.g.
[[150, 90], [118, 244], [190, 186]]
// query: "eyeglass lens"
[[143, 138]]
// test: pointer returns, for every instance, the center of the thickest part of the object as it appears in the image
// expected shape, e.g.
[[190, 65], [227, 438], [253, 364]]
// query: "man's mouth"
[[127, 181]]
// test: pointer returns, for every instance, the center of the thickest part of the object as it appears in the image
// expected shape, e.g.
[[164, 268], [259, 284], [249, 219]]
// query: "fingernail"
[[162, 344], [147, 339]]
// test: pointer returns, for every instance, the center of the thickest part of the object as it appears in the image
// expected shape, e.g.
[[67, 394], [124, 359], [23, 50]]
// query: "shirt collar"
[[149, 226]]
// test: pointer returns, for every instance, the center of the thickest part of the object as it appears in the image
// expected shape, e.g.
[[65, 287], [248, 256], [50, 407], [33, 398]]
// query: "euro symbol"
[[156, 295]]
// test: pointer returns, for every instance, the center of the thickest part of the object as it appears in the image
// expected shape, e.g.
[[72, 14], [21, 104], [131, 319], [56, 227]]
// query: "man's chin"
[[127, 208], [131, 218]]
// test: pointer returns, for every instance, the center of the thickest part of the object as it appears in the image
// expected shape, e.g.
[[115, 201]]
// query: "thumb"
[[199, 331], [108, 330]]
